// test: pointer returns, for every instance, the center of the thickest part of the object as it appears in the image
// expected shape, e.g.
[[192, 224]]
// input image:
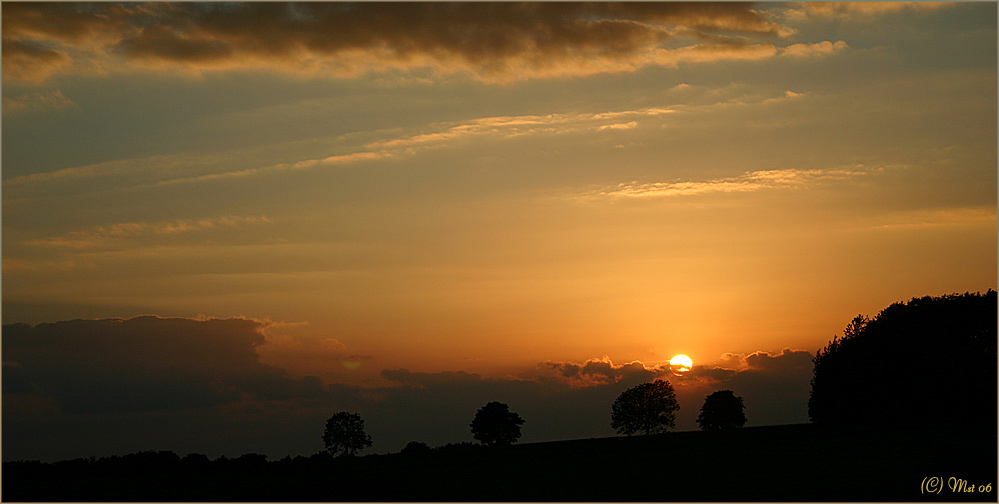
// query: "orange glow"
[[680, 364]]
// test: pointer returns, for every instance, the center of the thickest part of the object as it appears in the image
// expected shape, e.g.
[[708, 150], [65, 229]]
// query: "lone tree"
[[926, 362], [344, 434], [721, 410], [495, 424], [649, 408]]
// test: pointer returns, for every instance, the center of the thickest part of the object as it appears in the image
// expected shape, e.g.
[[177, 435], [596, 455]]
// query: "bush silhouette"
[[344, 434], [722, 410], [495, 424], [929, 361], [649, 408]]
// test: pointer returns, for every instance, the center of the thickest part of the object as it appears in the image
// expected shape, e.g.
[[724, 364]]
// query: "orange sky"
[[490, 188]]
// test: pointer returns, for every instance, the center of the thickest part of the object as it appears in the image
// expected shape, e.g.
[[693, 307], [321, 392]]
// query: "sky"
[[224, 222]]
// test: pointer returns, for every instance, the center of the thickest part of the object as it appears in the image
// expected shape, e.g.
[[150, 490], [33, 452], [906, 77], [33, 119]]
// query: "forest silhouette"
[[907, 395]]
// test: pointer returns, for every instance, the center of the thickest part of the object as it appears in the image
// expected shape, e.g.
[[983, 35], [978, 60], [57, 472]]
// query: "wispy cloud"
[[748, 182], [936, 218], [113, 233], [298, 165], [515, 126], [192, 168], [38, 102], [186, 168]]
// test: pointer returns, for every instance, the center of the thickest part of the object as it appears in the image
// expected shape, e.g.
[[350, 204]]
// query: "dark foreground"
[[784, 463]]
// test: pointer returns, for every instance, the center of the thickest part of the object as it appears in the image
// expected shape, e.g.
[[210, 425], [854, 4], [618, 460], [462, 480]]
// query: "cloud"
[[748, 182], [786, 360], [165, 171], [179, 169], [595, 372], [775, 387], [812, 50], [492, 42], [29, 63], [141, 364], [442, 378], [518, 126], [31, 102], [867, 9], [935, 218], [299, 165], [620, 126], [702, 53], [290, 346], [115, 233]]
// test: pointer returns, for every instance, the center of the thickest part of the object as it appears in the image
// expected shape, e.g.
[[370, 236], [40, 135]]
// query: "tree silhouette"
[[344, 434], [495, 424], [416, 448], [721, 410], [649, 408], [929, 361]]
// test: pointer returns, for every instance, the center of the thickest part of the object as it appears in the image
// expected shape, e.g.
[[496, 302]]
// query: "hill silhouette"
[[779, 463], [926, 362]]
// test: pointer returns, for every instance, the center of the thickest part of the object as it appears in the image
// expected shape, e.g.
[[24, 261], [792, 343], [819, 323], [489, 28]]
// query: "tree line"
[[648, 408]]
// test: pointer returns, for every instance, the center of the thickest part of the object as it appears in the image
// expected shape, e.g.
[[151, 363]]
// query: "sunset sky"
[[409, 210]]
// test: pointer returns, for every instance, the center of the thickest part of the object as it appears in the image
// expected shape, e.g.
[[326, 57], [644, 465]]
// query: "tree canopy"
[[722, 410], [495, 424], [344, 434], [928, 361], [649, 408]]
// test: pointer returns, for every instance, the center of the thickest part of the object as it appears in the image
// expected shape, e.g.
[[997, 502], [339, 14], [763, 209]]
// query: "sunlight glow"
[[680, 365]]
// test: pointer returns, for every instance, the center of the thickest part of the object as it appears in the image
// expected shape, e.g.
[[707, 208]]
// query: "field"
[[780, 463]]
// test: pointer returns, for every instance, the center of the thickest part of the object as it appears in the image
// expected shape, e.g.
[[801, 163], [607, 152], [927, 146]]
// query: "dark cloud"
[[494, 41], [598, 372], [141, 364], [406, 377], [775, 386], [787, 361], [100, 387], [711, 373]]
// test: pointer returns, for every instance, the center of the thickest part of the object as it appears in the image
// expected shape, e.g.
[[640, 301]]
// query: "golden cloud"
[[748, 182], [817, 49]]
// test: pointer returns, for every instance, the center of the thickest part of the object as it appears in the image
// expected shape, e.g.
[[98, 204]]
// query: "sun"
[[680, 364]]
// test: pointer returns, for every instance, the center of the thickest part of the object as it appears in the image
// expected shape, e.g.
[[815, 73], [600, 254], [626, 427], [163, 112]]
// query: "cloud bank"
[[140, 364], [494, 42]]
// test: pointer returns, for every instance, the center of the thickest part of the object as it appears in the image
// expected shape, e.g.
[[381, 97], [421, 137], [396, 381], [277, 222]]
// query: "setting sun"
[[680, 364]]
